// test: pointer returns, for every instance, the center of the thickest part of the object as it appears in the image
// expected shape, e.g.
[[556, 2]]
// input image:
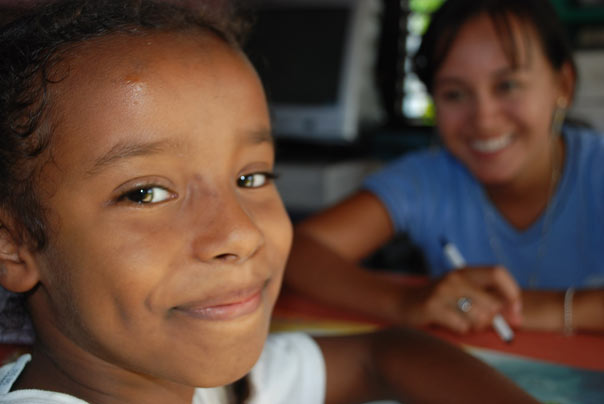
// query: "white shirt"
[[291, 370]]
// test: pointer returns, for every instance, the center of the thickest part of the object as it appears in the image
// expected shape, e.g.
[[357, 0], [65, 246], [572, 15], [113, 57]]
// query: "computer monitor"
[[316, 60]]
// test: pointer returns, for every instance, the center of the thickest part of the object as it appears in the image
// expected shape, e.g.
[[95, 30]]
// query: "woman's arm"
[[323, 264], [544, 310], [411, 367]]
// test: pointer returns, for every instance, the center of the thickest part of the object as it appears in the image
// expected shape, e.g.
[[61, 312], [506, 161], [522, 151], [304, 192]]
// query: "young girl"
[[141, 228], [517, 193]]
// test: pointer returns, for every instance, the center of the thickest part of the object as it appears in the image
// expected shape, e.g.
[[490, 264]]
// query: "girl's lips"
[[229, 307]]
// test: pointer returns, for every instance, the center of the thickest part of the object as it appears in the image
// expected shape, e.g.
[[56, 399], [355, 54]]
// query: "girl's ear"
[[18, 269]]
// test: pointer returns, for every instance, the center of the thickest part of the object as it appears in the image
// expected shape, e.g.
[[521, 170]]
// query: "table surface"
[[586, 351]]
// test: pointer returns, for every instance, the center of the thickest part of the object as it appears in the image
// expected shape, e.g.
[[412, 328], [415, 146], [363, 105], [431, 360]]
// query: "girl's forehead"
[[119, 86], [119, 68], [124, 55]]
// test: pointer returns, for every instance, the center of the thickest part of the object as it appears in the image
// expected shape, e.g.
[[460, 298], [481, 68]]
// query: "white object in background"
[[308, 186]]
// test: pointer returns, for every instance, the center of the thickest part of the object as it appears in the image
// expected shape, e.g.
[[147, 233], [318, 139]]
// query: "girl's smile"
[[226, 305], [168, 237]]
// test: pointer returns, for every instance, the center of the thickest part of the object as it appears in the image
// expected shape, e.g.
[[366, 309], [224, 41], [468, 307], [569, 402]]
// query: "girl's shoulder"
[[10, 372], [291, 370]]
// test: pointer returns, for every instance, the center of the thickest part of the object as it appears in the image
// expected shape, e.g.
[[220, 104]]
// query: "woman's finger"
[[457, 294], [496, 278]]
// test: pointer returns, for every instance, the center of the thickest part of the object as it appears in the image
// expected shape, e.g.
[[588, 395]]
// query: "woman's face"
[[494, 117], [168, 238]]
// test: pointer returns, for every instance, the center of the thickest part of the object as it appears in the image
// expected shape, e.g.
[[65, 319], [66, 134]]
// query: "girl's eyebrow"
[[258, 136], [124, 149]]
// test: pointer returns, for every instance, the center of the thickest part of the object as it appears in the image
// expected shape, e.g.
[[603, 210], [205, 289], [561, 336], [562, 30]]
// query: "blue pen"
[[457, 261]]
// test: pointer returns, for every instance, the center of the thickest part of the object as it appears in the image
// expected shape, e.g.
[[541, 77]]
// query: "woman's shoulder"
[[436, 153], [585, 164], [586, 148], [428, 162], [584, 139], [419, 176]]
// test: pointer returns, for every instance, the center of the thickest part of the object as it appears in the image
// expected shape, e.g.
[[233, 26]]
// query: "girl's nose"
[[231, 235]]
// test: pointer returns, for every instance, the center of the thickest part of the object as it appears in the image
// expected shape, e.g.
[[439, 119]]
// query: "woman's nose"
[[230, 235], [486, 114]]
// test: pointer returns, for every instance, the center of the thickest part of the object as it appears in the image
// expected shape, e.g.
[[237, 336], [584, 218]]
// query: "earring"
[[558, 116]]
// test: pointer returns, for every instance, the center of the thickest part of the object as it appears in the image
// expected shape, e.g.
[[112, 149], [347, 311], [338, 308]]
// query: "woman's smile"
[[495, 114], [491, 145]]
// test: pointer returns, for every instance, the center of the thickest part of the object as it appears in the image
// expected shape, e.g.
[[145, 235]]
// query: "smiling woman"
[[513, 188]]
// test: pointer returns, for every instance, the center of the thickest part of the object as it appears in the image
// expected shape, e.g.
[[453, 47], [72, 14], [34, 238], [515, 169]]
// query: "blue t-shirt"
[[430, 195]]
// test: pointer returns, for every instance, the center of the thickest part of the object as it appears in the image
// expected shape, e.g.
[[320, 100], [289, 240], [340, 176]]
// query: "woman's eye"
[[507, 86], [147, 195], [452, 95], [255, 180]]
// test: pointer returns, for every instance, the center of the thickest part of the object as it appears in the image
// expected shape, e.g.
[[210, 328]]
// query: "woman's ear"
[[18, 268], [567, 78]]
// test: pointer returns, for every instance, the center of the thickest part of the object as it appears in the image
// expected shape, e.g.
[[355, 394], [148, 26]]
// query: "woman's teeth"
[[491, 145]]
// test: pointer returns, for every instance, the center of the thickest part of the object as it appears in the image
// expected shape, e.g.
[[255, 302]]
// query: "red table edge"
[[584, 351]]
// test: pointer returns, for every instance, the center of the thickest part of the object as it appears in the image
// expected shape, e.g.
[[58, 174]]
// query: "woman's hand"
[[486, 291]]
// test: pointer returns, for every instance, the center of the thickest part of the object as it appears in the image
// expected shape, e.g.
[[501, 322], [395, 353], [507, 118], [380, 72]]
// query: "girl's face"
[[168, 238], [493, 117]]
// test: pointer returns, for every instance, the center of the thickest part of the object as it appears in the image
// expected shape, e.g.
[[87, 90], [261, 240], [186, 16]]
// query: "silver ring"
[[464, 304]]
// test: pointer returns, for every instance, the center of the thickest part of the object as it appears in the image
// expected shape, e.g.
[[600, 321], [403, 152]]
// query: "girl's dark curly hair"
[[30, 48]]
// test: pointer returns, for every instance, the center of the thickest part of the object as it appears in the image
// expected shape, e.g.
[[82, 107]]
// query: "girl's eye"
[[147, 195], [255, 180]]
